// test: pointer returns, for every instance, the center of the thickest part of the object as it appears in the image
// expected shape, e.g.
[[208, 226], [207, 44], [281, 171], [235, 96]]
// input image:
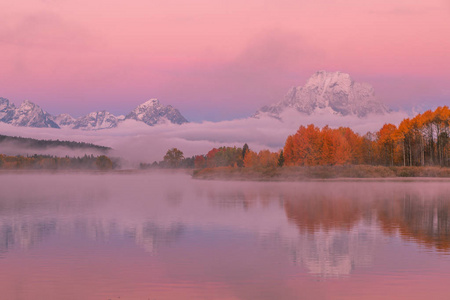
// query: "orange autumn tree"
[[264, 159], [303, 148], [312, 146], [267, 159], [424, 139], [420, 141], [250, 159], [386, 144]]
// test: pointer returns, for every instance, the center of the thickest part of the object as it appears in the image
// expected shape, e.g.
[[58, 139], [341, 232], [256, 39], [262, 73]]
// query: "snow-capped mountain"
[[64, 120], [152, 112], [333, 92], [28, 114], [5, 107], [96, 120]]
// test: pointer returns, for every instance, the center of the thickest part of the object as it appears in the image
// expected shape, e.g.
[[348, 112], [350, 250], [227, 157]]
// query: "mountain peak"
[[28, 114], [336, 92], [325, 78], [28, 106], [28, 102], [152, 112], [151, 102], [5, 108], [96, 120]]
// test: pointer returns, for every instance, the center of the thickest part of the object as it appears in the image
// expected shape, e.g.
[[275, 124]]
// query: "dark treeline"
[[174, 158], [47, 162], [44, 144], [220, 157], [217, 157]]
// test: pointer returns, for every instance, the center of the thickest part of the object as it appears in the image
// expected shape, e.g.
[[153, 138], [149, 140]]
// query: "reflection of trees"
[[233, 199], [418, 218], [338, 231], [414, 214], [323, 212]]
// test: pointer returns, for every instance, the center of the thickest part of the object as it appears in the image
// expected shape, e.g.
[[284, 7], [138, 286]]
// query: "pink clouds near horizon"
[[215, 60]]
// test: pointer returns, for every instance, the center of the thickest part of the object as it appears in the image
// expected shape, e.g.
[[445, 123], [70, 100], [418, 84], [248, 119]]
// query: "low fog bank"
[[135, 142]]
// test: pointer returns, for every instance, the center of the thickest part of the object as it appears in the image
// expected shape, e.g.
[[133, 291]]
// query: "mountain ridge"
[[323, 93], [29, 114]]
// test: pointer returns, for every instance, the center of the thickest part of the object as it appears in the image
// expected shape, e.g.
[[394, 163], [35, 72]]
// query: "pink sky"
[[218, 60]]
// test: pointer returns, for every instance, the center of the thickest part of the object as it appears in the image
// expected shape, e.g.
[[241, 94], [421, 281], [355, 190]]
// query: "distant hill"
[[45, 144]]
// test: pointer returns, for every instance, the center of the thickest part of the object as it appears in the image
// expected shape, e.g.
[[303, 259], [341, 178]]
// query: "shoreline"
[[321, 173], [352, 173], [93, 171]]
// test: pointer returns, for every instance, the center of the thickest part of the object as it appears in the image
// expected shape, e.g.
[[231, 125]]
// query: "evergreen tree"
[[244, 150], [281, 159]]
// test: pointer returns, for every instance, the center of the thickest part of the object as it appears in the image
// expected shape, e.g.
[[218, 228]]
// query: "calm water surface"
[[165, 236]]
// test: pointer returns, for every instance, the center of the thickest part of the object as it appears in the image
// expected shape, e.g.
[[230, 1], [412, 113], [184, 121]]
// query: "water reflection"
[[27, 234], [231, 233], [337, 229], [419, 219], [330, 217], [24, 234]]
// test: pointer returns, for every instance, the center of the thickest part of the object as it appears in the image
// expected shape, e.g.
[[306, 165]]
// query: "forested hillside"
[[45, 144]]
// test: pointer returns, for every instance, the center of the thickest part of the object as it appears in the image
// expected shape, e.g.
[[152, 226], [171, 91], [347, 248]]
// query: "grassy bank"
[[319, 172]]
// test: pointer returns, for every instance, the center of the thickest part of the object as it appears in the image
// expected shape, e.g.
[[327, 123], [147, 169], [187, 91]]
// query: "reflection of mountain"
[[337, 252], [25, 234], [423, 220], [337, 233], [149, 236]]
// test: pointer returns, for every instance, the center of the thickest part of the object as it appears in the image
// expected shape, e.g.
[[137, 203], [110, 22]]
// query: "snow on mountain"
[[152, 112], [5, 107], [28, 114], [64, 120], [332, 92], [96, 120], [31, 115]]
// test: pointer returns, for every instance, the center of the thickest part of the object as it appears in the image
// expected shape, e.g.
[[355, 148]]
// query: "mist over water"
[[163, 235]]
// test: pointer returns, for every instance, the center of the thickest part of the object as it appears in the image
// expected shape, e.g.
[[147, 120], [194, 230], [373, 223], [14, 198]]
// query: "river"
[[163, 235]]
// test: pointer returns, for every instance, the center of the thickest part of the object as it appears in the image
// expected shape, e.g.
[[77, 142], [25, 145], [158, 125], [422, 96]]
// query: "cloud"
[[45, 30], [275, 50], [261, 73]]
